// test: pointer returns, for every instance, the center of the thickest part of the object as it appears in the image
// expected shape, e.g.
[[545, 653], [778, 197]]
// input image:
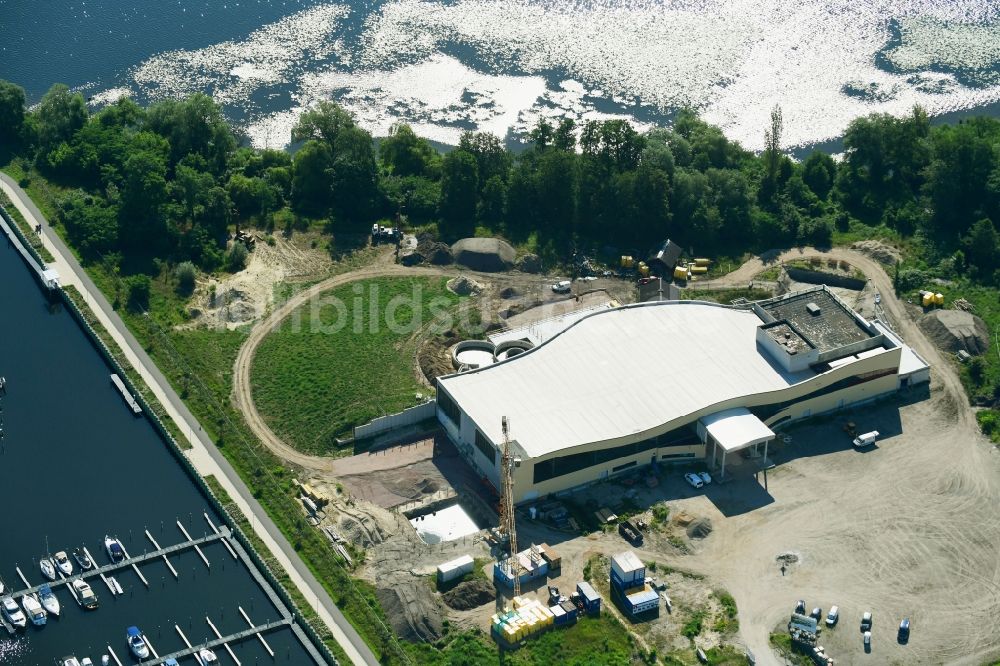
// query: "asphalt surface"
[[355, 645]]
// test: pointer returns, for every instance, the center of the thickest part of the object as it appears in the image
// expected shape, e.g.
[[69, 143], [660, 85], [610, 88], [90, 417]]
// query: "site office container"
[[454, 569], [591, 599], [627, 571]]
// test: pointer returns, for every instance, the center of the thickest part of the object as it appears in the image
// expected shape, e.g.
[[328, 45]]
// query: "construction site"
[[449, 548]]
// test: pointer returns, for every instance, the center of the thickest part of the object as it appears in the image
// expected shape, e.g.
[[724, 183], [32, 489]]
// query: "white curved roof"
[[619, 372]]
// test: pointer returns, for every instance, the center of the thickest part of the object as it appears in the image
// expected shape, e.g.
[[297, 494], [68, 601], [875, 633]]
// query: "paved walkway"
[[204, 455]]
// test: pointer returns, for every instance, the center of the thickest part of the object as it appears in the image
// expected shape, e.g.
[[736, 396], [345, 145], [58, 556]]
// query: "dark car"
[[904, 630], [800, 607], [866, 621], [817, 614]]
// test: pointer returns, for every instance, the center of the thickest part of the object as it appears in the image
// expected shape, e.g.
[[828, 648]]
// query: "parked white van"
[[866, 439]]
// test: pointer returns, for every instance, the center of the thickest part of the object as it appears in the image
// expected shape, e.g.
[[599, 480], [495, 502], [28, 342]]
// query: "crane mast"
[[507, 526]]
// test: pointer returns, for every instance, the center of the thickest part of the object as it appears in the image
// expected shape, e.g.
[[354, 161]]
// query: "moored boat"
[[82, 560], [85, 594], [48, 568], [50, 602], [33, 609], [136, 643], [13, 613], [208, 657], [71, 660], [114, 548], [63, 563]]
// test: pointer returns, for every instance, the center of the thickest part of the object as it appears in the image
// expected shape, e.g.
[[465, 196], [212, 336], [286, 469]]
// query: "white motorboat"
[[136, 643], [1, 587], [208, 657], [50, 602], [63, 563], [13, 613], [84, 594], [82, 560], [105, 660], [87, 661], [48, 568], [70, 661], [34, 610], [114, 548]]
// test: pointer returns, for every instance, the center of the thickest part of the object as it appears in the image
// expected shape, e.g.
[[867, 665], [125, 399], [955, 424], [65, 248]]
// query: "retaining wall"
[[821, 277], [409, 416]]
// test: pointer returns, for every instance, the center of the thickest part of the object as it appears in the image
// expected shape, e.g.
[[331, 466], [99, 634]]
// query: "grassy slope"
[[313, 385]]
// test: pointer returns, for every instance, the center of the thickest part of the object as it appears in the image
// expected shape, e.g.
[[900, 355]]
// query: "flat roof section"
[[736, 429], [832, 327], [786, 336], [620, 372]]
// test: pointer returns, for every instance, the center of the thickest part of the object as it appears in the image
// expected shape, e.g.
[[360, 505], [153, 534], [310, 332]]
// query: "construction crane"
[[507, 527]]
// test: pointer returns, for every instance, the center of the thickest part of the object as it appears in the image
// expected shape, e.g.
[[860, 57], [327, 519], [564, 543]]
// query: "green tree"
[[493, 202], [194, 125], [324, 122], [492, 157], [565, 135], [354, 175], [312, 185], [963, 178], [819, 172], [982, 247], [459, 184], [406, 154], [138, 289], [11, 112], [144, 192], [60, 115], [91, 224], [185, 274], [236, 260]]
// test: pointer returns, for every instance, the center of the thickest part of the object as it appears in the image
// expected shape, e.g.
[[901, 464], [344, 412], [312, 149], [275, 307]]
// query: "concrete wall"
[[406, 417]]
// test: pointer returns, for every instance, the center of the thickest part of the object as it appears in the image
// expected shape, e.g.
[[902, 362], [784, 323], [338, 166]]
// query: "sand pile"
[[880, 252], [470, 594], [484, 254], [956, 330]]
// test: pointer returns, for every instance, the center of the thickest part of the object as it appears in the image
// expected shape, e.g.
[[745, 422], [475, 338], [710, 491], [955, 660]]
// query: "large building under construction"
[[665, 382]]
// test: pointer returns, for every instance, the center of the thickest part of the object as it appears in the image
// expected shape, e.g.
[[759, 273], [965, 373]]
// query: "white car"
[[706, 478], [562, 287], [832, 616], [694, 479]]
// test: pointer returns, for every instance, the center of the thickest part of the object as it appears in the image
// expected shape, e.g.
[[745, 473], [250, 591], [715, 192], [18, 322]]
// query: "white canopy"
[[735, 429]]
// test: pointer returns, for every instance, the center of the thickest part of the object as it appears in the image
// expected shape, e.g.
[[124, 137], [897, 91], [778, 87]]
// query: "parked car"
[[904, 630], [694, 479], [817, 614], [562, 287], [868, 639], [832, 616], [800, 607], [867, 439], [866, 621], [706, 478]]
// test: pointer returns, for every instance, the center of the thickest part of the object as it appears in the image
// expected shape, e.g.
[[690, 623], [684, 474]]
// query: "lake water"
[[76, 465], [499, 65]]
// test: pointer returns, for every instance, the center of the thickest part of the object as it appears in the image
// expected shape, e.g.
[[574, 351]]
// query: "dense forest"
[[148, 191], [168, 181]]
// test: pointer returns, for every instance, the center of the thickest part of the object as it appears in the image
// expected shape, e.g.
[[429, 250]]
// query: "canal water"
[[75, 464]]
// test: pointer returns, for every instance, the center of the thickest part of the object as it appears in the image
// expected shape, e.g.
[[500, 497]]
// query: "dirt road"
[[242, 386], [907, 529]]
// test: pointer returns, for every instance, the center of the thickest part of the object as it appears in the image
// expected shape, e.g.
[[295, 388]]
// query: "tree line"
[[169, 180]]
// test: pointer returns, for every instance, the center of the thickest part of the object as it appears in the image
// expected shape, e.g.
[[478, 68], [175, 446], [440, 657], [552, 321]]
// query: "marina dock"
[[231, 638], [127, 562], [129, 399]]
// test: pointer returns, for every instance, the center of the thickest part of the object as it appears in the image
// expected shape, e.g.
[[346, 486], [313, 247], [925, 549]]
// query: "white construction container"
[[627, 570], [457, 568]]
